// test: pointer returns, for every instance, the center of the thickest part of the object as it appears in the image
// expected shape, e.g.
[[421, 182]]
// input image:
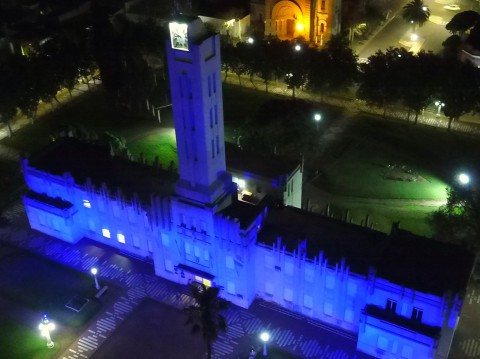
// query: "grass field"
[[355, 165], [31, 286]]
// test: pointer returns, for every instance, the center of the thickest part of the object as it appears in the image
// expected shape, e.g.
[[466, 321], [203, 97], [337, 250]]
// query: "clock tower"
[[196, 90]]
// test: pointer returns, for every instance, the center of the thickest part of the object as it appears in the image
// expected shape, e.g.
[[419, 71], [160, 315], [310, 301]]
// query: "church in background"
[[242, 231], [314, 20]]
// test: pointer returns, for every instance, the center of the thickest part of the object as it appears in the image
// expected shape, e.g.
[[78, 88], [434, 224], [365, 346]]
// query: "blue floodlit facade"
[[400, 294]]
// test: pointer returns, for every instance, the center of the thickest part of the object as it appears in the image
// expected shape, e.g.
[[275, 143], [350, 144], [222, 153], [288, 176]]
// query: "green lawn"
[[45, 286]]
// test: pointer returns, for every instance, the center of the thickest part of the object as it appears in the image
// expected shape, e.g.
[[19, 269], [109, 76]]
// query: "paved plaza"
[[135, 281]]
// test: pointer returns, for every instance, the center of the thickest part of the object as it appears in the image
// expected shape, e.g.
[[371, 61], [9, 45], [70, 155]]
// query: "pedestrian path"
[[136, 280]]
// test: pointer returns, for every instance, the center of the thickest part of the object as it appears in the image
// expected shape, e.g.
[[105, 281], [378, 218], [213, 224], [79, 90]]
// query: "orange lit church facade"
[[314, 20]]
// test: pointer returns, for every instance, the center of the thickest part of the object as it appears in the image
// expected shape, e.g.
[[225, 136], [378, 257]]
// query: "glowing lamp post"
[[297, 47], [265, 337], [94, 272], [317, 117], [250, 40], [463, 179], [439, 105], [45, 328]]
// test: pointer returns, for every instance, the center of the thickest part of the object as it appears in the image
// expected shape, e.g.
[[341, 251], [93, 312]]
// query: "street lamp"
[[298, 47], [439, 105], [45, 327], [317, 117], [413, 37], [94, 271], [250, 40], [265, 337], [463, 179]]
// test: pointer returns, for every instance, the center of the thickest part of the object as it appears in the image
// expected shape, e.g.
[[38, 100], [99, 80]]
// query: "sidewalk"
[[290, 332]]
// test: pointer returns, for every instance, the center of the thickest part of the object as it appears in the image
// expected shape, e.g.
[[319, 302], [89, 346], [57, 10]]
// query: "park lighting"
[[300, 26], [317, 117], [94, 272], [424, 8], [45, 328], [439, 105], [265, 337], [250, 40], [413, 37], [463, 179], [298, 47]]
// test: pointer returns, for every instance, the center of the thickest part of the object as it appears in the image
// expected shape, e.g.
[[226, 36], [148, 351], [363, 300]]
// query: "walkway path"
[[135, 280]]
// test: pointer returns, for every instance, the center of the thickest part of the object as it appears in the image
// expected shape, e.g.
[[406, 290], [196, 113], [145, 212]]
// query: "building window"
[[87, 204], [218, 146], [136, 241], [351, 289], [197, 251], [269, 288], [417, 314], [328, 308], [121, 238], [213, 149], [382, 343], [165, 240], [231, 287], [91, 225], [229, 262], [330, 282], [309, 275], [105, 232], [322, 6], [188, 248], [214, 82], [288, 268], [391, 305], [288, 295], [211, 118], [407, 352], [216, 114], [349, 315], [209, 86], [206, 255], [168, 265], [308, 301]]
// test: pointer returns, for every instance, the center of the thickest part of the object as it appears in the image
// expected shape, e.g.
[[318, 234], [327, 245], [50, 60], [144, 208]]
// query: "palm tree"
[[204, 315], [416, 12]]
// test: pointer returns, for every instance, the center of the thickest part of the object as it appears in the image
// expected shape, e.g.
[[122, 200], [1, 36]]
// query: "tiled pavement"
[[135, 280]]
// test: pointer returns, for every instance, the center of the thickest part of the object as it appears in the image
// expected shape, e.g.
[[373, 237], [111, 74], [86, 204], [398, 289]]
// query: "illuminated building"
[[314, 20], [401, 294]]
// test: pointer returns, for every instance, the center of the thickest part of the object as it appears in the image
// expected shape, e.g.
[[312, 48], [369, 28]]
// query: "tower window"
[[209, 86], [87, 204], [214, 82], [218, 147], [323, 5], [216, 115], [391, 305], [211, 118], [213, 149], [417, 314], [105, 232]]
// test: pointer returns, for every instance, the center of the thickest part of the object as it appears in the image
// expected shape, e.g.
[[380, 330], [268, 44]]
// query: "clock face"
[[179, 36]]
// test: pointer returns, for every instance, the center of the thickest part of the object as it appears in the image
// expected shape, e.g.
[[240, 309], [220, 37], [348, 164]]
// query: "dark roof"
[[245, 212], [86, 160], [428, 265], [359, 245], [265, 166], [54, 202], [402, 257]]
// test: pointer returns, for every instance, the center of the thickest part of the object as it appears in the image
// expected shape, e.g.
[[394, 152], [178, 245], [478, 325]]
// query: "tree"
[[463, 21], [205, 315], [420, 83], [458, 221], [381, 75], [416, 12], [459, 89]]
